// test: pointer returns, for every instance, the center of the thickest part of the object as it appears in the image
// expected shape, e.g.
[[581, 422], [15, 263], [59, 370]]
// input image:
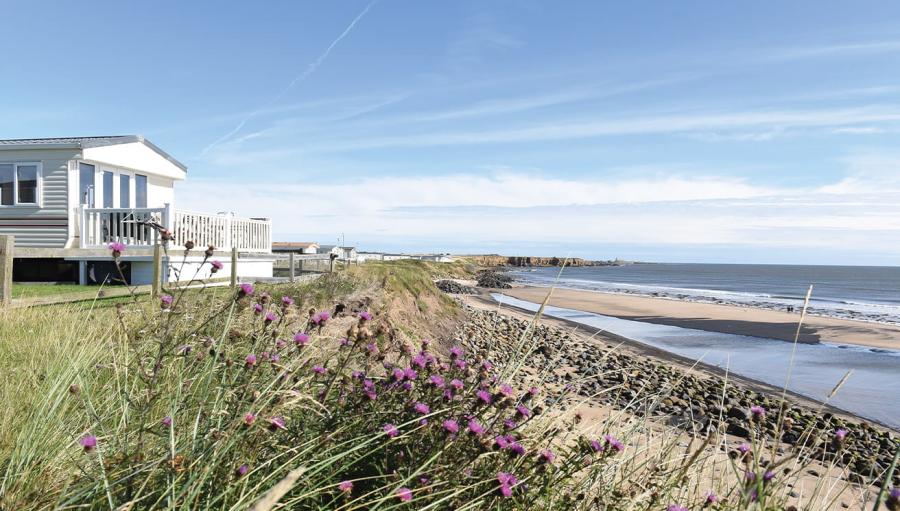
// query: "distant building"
[[438, 258], [396, 257], [297, 247], [342, 253], [369, 256]]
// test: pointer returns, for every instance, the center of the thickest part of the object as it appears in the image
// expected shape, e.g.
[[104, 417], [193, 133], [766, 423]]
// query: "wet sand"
[[718, 318]]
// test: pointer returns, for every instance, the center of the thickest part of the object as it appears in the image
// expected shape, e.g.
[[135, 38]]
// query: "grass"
[[22, 290], [184, 418]]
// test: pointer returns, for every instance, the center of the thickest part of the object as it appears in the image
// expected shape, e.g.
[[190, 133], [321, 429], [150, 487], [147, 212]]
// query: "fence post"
[[234, 261], [157, 270], [291, 265], [7, 245]]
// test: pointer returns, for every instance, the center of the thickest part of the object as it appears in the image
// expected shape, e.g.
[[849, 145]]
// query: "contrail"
[[297, 80]]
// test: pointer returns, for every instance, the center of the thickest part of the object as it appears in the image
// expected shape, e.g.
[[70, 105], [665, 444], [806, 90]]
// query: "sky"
[[660, 131]]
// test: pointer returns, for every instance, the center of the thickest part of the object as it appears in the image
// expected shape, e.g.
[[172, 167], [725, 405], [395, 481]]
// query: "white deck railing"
[[101, 226]]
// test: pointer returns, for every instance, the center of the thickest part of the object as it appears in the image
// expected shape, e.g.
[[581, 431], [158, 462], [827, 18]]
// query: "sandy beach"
[[718, 318]]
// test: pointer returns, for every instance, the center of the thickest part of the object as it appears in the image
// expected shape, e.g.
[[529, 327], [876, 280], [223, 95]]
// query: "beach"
[[729, 319]]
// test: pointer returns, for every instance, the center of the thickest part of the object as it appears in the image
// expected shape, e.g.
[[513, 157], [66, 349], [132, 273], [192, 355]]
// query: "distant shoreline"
[[731, 319]]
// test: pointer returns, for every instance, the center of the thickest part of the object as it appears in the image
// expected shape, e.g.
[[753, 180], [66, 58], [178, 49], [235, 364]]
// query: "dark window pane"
[[107, 189], [124, 191], [86, 185], [27, 175], [140, 191], [6, 184]]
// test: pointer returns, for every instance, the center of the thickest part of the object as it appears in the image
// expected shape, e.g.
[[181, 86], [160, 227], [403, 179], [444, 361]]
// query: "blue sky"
[[669, 131]]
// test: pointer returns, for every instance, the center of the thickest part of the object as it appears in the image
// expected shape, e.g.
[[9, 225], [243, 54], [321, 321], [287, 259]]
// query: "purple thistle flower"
[[391, 430], [421, 408], [676, 507], [372, 348], [301, 339], [614, 443], [420, 361], [484, 396], [757, 411], [287, 301], [457, 384], [407, 386], [506, 491], [510, 424], [711, 497], [116, 248], [167, 421], [245, 289], [523, 411], [217, 265], [280, 344], [249, 419], [596, 446], [250, 360], [456, 352], [166, 300], [398, 374], [344, 342], [271, 316], [459, 363], [507, 482], [365, 316], [345, 486], [436, 380], [506, 390], [410, 374], [487, 365], [451, 426], [475, 427], [276, 423], [840, 435], [88, 442], [547, 456], [257, 308], [404, 494], [516, 448], [275, 358], [319, 369], [744, 448], [768, 476], [502, 441], [242, 470]]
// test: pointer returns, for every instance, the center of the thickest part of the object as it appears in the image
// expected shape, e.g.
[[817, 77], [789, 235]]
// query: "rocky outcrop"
[[455, 288], [494, 280]]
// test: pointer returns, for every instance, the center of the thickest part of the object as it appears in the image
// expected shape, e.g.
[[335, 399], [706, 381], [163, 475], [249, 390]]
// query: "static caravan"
[[66, 199]]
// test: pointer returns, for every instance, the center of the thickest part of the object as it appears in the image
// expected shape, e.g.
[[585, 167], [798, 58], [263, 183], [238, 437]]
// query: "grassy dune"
[[226, 399]]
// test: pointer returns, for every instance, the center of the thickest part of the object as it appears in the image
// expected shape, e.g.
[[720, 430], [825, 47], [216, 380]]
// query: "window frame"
[[39, 195]]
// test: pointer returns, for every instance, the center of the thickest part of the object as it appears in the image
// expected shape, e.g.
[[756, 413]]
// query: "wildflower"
[[166, 421], [768, 476], [345, 486], [421, 408], [457, 384], [88, 442], [436, 380], [249, 419], [165, 301], [216, 266], [459, 363], [711, 498], [676, 507], [274, 358], [271, 316], [523, 411], [547, 456], [456, 352], [116, 248], [189, 245], [507, 482], [242, 470], [398, 374], [840, 435], [510, 424], [276, 423], [533, 391], [320, 318], [210, 249], [451, 426], [404, 494], [744, 448], [596, 446], [390, 430], [245, 289], [287, 301], [487, 365], [757, 411], [410, 374], [516, 448], [420, 361], [301, 339], [372, 348], [280, 343], [365, 316], [257, 308], [475, 427], [407, 386], [893, 500], [506, 390], [250, 360], [614, 443], [503, 441], [319, 369], [484, 396]]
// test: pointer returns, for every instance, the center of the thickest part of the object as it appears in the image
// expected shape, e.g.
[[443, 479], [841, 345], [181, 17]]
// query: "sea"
[[868, 293], [812, 370]]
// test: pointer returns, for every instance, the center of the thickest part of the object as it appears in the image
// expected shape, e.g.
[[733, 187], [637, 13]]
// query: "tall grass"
[[227, 399]]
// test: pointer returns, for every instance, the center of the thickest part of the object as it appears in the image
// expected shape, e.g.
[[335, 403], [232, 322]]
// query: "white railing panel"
[[101, 226]]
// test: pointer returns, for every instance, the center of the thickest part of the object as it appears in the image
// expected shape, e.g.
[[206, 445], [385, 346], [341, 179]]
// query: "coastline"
[[721, 318]]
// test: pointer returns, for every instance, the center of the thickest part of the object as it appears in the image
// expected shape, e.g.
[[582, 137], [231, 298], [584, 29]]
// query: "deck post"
[[157, 270], [291, 266], [7, 245], [234, 261]]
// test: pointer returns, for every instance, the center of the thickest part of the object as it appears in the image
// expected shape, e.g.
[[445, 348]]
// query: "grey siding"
[[48, 225]]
